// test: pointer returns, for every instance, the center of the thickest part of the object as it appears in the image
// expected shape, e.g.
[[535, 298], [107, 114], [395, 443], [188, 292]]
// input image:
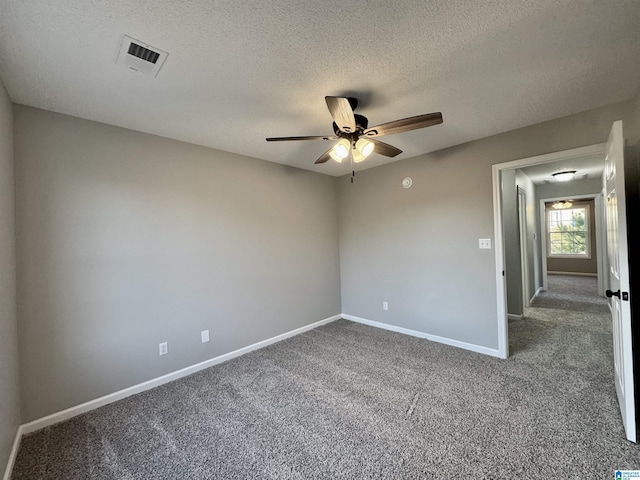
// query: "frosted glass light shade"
[[564, 176], [365, 147], [357, 156], [340, 150], [335, 157]]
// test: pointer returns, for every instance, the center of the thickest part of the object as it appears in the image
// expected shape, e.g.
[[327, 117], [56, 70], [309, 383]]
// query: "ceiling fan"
[[356, 137]]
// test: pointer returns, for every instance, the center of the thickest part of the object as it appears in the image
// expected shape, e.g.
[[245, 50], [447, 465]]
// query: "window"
[[568, 232]]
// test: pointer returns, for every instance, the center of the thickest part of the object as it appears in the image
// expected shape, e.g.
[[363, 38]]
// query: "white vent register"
[[140, 56]]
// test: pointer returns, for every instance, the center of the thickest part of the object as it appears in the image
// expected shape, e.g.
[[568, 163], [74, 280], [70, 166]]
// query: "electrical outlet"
[[164, 348], [484, 243], [385, 305], [204, 335]]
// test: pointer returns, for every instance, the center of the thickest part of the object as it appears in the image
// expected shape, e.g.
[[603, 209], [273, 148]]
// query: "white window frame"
[[587, 223]]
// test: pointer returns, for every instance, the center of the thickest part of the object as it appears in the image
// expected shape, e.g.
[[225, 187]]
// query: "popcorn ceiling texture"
[[240, 71], [348, 401]]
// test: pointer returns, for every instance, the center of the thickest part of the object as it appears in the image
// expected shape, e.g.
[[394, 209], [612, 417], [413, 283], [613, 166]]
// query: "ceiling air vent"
[[140, 56]]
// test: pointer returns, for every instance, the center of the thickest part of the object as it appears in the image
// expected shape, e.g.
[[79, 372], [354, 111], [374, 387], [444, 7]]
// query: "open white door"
[[616, 220]]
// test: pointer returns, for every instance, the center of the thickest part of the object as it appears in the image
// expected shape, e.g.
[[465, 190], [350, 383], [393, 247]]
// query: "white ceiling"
[[586, 167], [240, 71]]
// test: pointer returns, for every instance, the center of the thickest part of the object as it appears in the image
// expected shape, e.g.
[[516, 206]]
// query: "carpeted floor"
[[574, 293], [348, 401]]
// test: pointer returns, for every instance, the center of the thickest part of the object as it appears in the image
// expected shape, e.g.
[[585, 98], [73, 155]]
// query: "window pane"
[[568, 231]]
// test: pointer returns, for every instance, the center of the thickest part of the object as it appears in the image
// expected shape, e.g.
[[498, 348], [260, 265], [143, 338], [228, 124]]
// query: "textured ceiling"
[[240, 71], [586, 167]]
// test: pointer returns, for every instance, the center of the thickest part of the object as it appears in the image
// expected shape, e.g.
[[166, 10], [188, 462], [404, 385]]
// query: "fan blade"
[[342, 113], [384, 148], [285, 139], [325, 157], [404, 125]]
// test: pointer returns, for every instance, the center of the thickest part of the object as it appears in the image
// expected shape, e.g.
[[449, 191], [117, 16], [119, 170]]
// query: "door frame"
[[598, 213], [524, 251], [496, 171]]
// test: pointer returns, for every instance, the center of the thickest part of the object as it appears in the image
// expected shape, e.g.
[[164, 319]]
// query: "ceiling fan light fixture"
[[364, 147], [335, 157], [564, 176], [340, 150], [357, 156], [562, 204], [349, 126]]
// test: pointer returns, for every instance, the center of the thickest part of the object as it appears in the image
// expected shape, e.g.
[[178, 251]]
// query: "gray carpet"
[[574, 293], [351, 401]]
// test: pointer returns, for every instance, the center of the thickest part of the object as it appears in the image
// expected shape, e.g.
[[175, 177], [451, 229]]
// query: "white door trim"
[[524, 251], [496, 170]]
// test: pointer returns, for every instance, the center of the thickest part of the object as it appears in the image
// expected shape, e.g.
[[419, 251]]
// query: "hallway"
[[568, 325]]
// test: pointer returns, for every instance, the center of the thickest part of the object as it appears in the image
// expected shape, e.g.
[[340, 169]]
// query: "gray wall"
[[511, 181], [513, 268], [126, 240], [418, 248], [532, 240], [9, 392], [632, 129]]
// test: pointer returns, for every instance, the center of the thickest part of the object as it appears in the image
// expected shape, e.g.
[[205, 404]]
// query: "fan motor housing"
[[362, 123]]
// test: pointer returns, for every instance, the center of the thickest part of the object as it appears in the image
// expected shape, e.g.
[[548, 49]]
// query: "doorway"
[[596, 240], [611, 184], [503, 213]]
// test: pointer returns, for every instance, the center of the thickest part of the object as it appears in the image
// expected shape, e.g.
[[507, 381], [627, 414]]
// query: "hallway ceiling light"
[[564, 176], [562, 204]]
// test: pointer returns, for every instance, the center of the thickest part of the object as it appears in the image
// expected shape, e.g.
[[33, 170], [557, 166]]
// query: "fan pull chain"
[[353, 172]]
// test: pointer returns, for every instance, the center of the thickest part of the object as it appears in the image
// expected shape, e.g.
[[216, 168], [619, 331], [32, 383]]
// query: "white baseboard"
[[577, 274], [512, 316], [13, 454], [434, 338], [141, 387]]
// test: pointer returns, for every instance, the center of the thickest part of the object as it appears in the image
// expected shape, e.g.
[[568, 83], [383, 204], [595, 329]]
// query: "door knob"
[[610, 294]]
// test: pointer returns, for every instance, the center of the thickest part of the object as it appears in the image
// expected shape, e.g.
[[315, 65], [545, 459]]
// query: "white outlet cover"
[[204, 336], [163, 348], [484, 243]]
